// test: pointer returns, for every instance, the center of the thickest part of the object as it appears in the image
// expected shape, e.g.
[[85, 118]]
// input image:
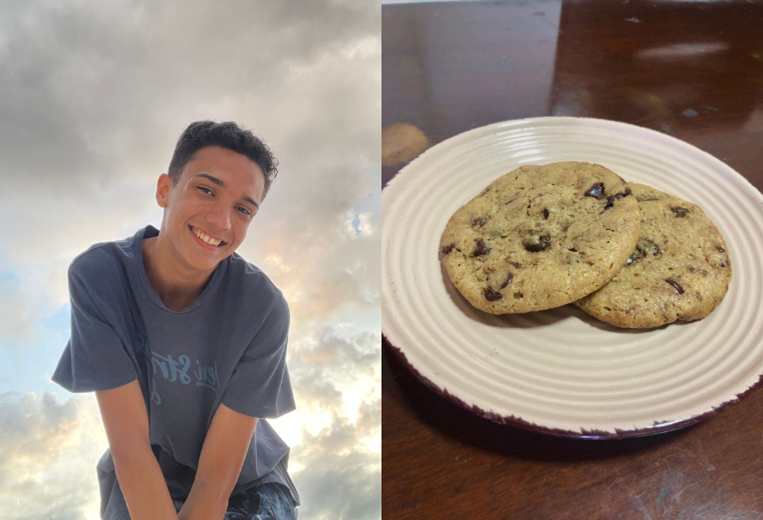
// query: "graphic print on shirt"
[[180, 370]]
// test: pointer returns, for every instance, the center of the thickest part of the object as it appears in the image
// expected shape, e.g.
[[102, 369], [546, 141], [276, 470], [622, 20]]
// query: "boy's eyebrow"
[[221, 183]]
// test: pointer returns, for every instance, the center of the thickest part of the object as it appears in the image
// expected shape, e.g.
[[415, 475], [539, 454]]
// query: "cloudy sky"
[[93, 96]]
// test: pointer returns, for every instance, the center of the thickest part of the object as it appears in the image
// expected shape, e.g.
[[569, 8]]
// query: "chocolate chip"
[[645, 247], [596, 191], [722, 264], [632, 258], [509, 201], [613, 198], [680, 212], [720, 249], [675, 285], [516, 264], [491, 295], [543, 242], [507, 281], [480, 249], [447, 249], [545, 214], [479, 222]]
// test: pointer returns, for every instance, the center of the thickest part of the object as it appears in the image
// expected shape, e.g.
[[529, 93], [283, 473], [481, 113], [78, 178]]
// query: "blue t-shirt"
[[228, 346]]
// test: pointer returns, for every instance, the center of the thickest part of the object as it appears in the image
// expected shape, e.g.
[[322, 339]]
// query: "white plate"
[[561, 371]]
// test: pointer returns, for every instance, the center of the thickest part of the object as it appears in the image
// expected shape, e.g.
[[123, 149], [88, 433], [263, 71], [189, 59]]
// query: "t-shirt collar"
[[149, 232]]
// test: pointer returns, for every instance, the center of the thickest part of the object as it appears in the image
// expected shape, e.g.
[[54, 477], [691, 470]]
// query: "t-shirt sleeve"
[[95, 358], [260, 385]]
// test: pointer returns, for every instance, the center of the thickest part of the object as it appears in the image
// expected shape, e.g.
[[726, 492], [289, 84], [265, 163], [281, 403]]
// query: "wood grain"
[[692, 70]]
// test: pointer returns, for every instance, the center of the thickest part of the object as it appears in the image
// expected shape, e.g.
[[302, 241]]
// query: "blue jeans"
[[264, 502]]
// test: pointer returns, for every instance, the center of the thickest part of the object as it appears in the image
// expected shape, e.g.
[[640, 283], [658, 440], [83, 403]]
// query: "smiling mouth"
[[206, 238]]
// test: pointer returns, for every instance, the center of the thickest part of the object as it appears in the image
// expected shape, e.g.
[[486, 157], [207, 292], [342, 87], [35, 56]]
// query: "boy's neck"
[[176, 287]]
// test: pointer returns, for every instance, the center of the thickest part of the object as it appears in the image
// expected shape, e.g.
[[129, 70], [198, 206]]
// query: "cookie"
[[541, 237], [680, 269]]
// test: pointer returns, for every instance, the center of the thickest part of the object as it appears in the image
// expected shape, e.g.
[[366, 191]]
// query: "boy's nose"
[[220, 217]]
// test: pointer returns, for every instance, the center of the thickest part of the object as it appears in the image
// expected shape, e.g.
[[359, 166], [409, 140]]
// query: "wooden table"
[[693, 70]]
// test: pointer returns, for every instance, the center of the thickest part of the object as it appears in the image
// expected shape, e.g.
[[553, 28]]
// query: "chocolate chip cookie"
[[679, 270], [541, 237]]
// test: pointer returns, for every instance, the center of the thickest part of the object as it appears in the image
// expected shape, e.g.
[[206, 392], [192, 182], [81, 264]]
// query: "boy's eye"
[[241, 209]]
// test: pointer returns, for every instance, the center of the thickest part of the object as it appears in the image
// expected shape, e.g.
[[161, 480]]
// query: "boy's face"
[[216, 197]]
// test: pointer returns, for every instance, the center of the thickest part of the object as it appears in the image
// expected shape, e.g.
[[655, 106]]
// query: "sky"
[[93, 96]]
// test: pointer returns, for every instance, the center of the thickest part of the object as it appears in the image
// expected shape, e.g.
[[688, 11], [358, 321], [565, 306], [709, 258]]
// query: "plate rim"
[[584, 434], [592, 434]]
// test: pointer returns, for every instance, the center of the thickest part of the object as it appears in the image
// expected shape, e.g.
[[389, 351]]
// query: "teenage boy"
[[184, 343]]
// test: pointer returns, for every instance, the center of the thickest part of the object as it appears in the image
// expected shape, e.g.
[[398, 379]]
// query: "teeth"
[[206, 239]]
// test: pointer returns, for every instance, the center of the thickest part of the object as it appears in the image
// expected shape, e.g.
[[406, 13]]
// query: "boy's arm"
[[126, 421], [222, 457]]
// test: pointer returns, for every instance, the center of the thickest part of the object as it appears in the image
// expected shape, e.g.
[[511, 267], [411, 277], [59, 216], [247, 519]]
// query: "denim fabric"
[[269, 501]]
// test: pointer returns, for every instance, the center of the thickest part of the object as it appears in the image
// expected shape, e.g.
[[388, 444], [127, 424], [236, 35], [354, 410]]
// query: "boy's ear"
[[163, 190]]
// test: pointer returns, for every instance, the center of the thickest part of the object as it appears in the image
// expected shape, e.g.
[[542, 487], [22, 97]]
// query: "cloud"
[[50, 449], [94, 97], [48, 452], [15, 314], [368, 424], [338, 484], [91, 83], [330, 363], [336, 463], [100, 90]]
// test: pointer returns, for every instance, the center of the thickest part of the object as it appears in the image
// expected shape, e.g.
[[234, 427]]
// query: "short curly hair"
[[201, 134]]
